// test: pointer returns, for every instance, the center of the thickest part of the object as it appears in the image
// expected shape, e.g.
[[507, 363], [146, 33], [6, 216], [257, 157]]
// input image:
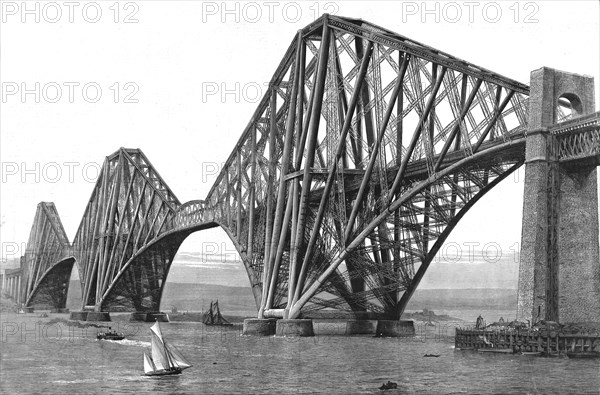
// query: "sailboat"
[[166, 359], [213, 316]]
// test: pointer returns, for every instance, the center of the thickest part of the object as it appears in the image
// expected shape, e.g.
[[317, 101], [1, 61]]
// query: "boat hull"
[[103, 337], [164, 372], [584, 355]]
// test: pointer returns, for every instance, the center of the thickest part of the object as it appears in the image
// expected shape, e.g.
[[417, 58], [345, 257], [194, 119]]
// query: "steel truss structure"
[[47, 263], [364, 154]]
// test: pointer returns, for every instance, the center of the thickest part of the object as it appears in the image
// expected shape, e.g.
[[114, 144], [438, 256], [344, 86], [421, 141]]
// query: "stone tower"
[[559, 271]]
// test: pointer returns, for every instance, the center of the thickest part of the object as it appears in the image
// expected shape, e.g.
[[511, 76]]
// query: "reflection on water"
[[55, 358]]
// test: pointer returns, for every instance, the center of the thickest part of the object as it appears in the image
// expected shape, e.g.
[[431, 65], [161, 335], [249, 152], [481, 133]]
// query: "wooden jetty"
[[528, 342]]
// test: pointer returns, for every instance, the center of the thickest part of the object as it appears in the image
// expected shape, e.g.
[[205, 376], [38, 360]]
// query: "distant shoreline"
[[239, 302]]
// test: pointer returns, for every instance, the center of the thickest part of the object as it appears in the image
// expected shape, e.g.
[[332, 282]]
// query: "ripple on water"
[[332, 364], [127, 342], [76, 381]]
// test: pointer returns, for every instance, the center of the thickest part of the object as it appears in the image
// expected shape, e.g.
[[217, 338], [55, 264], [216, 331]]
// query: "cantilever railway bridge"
[[364, 154]]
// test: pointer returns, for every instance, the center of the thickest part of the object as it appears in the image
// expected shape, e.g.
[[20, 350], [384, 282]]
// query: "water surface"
[[38, 357]]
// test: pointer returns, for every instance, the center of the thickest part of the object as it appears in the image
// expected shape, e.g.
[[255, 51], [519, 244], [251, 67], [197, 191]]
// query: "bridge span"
[[366, 151]]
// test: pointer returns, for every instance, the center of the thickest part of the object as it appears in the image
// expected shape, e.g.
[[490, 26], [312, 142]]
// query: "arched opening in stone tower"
[[568, 106]]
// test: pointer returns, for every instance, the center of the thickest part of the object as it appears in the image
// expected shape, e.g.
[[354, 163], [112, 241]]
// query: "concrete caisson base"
[[28, 310], [78, 315], [360, 327], [259, 327], [98, 316], [302, 327], [388, 328], [138, 317], [160, 317]]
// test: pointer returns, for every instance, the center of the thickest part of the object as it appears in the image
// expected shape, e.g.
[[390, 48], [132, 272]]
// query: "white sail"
[[156, 329], [148, 365], [176, 356], [164, 355], [161, 361]]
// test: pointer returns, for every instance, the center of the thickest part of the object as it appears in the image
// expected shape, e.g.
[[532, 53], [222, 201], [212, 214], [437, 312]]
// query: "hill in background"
[[466, 299], [240, 302]]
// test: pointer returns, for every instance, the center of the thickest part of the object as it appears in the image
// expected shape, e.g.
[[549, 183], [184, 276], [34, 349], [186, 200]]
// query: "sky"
[[180, 80]]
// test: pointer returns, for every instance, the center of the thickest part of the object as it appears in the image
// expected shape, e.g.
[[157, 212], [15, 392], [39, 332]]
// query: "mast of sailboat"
[[219, 316], [169, 356]]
